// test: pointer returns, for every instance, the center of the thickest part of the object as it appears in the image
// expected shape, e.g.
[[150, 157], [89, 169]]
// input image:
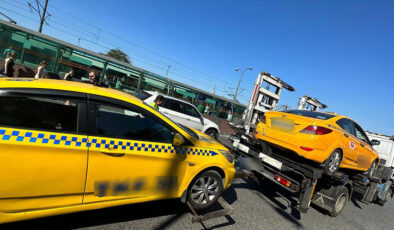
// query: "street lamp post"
[[239, 82]]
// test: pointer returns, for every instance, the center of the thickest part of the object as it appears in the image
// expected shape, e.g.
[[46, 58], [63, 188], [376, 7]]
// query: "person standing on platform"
[[9, 65], [41, 70]]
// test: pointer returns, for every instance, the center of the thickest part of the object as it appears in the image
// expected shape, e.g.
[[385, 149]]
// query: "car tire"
[[265, 148], [332, 163], [339, 202], [205, 189], [212, 133], [372, 169]]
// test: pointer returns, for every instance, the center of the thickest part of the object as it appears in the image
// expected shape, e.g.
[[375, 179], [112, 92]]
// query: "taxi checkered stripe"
[[38, 137]]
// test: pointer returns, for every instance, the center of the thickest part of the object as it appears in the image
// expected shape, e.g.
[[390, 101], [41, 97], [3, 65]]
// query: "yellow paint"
[[43, 176], [359, 158]]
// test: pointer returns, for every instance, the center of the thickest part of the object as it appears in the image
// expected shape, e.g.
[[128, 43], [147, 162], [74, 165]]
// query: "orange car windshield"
[[312, 114]]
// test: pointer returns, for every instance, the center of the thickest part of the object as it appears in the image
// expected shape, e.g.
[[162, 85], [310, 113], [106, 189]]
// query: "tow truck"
[[304, 180]]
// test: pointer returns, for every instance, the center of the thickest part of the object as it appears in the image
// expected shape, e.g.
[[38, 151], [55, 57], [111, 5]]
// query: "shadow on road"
[[264, 190], [108, 216]]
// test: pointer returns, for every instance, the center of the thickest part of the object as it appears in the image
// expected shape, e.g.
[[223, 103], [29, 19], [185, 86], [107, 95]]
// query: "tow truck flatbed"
[[306, 180]]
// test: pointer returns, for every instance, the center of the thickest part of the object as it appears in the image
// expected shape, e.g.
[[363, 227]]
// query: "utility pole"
[[168, 69], [168, 85], [239, 82], [214, 88], [43, 16]]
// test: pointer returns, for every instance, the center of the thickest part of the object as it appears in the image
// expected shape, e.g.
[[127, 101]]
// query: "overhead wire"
[[92, 36]]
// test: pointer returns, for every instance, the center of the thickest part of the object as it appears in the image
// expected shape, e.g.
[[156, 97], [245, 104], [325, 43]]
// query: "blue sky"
[[341, 52]]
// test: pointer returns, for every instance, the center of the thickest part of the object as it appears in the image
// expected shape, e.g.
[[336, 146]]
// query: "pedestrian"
[[206, 111], [201, 107], [7, 51], [229, 116], [158, 102], [41, 70], [119, 84], [93, 78], [69, 75], [9, 64]]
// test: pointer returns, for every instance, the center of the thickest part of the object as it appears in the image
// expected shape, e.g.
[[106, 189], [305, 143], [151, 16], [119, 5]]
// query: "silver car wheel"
[[204, 190], [334, 161]]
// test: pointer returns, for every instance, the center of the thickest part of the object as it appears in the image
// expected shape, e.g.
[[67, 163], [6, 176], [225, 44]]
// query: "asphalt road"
[[255, 207]]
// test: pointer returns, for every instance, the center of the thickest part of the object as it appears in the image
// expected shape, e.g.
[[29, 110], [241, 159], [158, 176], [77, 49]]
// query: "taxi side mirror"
[[178, 140], [375, 142]]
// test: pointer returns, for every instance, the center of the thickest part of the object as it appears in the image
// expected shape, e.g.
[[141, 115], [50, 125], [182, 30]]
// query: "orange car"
[[332, 140]]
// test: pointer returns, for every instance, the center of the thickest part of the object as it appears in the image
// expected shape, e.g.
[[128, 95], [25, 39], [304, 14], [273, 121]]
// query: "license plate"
[[282, 124], [271, 161]]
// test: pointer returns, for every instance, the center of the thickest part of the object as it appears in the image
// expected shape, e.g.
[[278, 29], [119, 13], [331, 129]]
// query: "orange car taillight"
[[316, 130]]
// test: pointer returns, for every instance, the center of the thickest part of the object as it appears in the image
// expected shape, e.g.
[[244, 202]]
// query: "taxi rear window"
[[39, 113], [312, 114]]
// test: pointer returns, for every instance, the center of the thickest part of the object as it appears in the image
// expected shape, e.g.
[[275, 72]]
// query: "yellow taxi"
[[67, 147], [332, 140]]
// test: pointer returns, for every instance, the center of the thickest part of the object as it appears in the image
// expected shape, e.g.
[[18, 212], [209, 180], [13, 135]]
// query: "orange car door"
[[350, 144], [43, 150], [364, 155]]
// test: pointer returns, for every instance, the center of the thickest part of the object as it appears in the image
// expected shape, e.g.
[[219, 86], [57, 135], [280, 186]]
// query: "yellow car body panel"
[[358, 157], [49, 173]]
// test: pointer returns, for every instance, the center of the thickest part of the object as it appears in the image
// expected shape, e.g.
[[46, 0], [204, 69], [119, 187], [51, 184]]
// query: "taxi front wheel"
[[205, 190]]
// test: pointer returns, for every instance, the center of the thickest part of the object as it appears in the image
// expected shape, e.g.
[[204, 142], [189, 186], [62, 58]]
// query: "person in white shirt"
[[41, 71]]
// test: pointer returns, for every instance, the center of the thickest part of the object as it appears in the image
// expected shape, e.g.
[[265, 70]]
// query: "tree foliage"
[[119, 55]]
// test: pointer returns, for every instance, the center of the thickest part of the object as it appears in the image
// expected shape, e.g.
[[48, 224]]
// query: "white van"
[[182, 112], [385, 148]]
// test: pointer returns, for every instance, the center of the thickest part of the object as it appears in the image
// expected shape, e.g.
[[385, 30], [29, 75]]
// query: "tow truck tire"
[[388, 197], [205, 189], [340, 201], [332, 163]]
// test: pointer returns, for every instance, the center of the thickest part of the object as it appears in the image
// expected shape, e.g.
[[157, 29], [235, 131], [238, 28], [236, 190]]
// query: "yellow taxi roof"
[[65, 85]]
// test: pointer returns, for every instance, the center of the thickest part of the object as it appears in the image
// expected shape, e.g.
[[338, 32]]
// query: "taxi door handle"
[[362, 145], [188, 119], [112, 153], [346, 135]]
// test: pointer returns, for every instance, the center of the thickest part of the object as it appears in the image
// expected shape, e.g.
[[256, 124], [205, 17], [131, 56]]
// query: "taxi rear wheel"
[[205, 190], [332, 163]]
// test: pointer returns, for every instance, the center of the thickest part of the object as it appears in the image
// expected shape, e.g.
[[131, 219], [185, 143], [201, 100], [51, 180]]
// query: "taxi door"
[[130, 154], [350, 143], [43, 150]]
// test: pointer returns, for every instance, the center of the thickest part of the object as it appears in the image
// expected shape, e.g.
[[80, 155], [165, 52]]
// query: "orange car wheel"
[[372, 169], [332, 163]]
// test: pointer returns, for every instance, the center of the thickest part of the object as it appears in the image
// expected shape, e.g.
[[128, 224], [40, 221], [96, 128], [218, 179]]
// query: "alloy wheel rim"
[[371, 172], [204, 190], [334, 162]]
